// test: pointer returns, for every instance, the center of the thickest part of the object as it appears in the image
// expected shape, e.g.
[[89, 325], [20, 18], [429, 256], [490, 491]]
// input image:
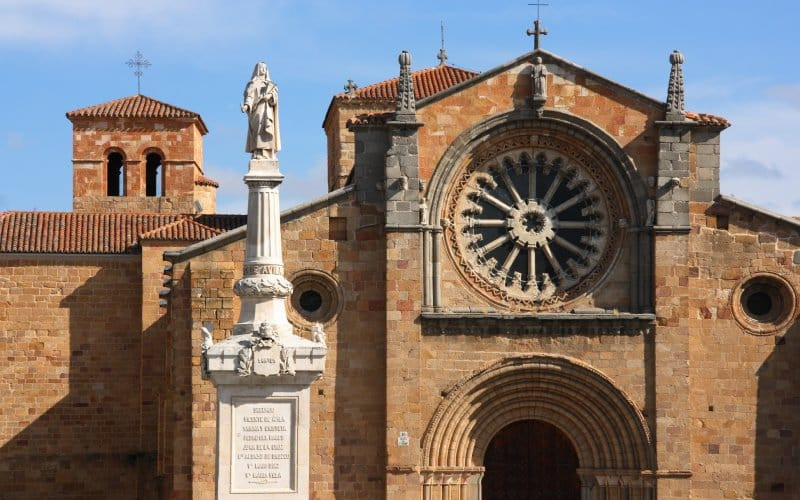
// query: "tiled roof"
[[183, 230], [205, 181], [135, 106], [105, 233], [427, 82], [709, 120]]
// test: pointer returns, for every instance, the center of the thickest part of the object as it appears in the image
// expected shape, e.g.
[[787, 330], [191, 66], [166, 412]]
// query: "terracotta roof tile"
[[105, 233], [225, 222], [135, 106], [181, 230], [709, 120], [427, 82], [205, 181]]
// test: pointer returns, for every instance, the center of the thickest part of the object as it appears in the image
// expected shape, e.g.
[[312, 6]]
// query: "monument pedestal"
[[263, 414]]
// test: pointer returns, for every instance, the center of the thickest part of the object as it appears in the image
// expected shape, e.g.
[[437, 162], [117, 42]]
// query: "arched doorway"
[[530, 459], [571, 405]]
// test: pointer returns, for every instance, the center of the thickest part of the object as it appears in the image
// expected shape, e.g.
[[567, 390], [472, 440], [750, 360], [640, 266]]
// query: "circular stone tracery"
[[533, 224]]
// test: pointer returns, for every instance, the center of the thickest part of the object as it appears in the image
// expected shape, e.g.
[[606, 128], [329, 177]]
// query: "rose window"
[[531, 225]]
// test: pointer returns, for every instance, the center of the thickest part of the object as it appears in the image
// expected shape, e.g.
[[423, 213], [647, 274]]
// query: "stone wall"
[[745, 389], [341, 141], [70, 341]]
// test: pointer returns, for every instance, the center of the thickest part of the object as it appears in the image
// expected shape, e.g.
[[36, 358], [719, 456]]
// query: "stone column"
[[263, 289], [263, 372]]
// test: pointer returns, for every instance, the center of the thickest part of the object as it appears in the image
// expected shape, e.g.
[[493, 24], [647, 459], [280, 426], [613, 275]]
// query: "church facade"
[[530, 284]]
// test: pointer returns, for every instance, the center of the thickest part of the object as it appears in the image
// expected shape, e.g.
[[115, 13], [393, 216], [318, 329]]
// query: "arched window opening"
[[154, 172], [116, 175]]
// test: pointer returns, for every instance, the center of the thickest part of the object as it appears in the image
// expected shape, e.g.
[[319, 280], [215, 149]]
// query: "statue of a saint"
[[261, 105], [539, 77]]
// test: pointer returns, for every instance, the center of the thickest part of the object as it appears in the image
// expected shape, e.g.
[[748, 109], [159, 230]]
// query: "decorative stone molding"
[[270, 285], [764, 303], [478, 323], [264, 354], [324, 288], [609, 433]]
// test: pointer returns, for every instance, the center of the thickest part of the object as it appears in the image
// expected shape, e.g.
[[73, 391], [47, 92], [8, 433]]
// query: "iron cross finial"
[[442, 56], [350, 88], [537, 30], [138, 61]]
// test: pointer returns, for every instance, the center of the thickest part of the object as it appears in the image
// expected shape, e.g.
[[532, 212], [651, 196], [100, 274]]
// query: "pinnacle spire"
[[675, 93], [406, 105]]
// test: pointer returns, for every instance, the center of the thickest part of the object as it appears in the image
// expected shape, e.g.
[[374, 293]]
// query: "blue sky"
[[59, 55]]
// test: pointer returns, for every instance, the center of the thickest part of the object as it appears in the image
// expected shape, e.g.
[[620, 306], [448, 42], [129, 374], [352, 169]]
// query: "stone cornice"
[[547, 323]]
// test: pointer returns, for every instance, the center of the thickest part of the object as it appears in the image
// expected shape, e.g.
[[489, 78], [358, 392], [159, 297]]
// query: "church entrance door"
[[530, 460]]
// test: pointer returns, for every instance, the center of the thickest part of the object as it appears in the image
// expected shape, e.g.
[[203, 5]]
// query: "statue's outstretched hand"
[[245, 108]]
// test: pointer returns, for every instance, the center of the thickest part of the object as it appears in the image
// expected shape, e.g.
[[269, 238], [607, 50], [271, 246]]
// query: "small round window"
[[316, 297], [764, 303]]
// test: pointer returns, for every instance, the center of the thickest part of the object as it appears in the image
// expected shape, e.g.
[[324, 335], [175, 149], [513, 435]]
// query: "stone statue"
[[261, 105], [539, 78], [318, 334]]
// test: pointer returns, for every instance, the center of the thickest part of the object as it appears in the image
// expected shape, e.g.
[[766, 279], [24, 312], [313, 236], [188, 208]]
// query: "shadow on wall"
[[359, 457], [777, 457], [87, 445]]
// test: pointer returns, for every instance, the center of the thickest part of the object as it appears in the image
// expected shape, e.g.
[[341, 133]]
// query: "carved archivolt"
[[533, 220], [605, 427]]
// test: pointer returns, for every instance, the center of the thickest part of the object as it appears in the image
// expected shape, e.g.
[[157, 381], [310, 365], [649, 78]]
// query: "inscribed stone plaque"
[[264, 458], [267, 362]]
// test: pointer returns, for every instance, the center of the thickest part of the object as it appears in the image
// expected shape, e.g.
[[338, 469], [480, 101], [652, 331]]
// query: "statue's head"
[[537, 60], [261, 70]]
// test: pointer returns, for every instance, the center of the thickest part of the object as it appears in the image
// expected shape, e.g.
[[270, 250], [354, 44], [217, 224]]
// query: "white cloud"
[[762, 141], [52, 22]]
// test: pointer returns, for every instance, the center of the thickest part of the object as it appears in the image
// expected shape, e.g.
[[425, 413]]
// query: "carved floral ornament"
[[534, 221]]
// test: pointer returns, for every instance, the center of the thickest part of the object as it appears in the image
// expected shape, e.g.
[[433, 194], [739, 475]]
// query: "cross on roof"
[[350, 88], [138, 61], [442, 56], [537, 26]]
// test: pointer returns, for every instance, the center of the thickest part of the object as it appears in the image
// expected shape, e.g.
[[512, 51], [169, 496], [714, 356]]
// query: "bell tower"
[[138, 154]]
